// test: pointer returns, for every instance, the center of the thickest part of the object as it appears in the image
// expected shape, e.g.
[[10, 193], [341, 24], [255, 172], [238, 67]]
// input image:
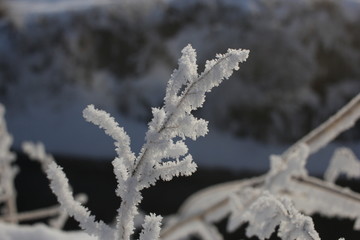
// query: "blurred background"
[[58, 56]]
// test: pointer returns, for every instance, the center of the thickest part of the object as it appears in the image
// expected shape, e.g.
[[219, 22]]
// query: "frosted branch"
[[151, 227], [185, 92], [281, 172], [59, 185], [345, 162], [36, 152], [168, 170], [178, 106], [195, 227], [111, 128], [267, 212]]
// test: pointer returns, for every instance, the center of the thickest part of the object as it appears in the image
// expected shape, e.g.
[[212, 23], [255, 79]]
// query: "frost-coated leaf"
[[296, 225], [185, 167], [263, 216], [192, 127], [186, 73], [111, 128], [151, 227], [215, 72], [239, 202]]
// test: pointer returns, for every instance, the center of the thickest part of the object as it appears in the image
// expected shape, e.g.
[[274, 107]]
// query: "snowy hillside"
[[59, 56]]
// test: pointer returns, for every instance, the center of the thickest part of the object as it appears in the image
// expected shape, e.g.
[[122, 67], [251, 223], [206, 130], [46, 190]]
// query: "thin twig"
[[202, 214], [33, 215]]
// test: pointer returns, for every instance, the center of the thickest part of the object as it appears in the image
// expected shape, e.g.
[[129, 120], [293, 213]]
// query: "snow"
[[39, 232], [23, 10]]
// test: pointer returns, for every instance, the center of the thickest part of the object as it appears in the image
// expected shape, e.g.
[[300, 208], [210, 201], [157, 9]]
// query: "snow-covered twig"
[[267, 212], [169, 127], [42, 213], [60, 186], [36, 152], [35, 214], [195, 227]]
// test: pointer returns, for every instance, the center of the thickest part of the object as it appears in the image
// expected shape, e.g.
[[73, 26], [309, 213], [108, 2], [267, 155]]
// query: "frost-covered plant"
[[266, 213], [36, 152], [286, 178], [164, 140]]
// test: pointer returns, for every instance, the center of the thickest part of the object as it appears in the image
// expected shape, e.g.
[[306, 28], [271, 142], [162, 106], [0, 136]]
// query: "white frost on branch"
[[164, 140], [112, 128], [268, 212], [151, 227], [60, 186], [281, 171], [345, 162], [37, 152], [196, 227]]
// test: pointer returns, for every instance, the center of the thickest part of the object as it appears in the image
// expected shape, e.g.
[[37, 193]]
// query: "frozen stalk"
[[7, 170], [266, 213], [345, 162], [164, 139], [36, 152]]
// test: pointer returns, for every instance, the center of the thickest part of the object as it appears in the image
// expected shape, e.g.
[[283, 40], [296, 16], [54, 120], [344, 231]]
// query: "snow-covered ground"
[[38, 232], [23, 10]]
